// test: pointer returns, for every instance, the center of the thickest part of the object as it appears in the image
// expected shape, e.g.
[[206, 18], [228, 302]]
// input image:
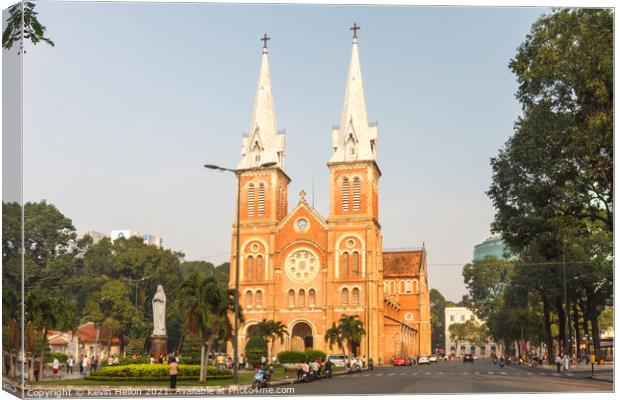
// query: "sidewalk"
[[601, 372]]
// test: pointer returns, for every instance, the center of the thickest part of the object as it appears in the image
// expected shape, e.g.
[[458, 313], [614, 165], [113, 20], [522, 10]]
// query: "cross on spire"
[[264, 39], [355, 29]]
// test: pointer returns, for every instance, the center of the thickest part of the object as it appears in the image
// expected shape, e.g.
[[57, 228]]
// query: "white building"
[[460, 315], [147, 237]]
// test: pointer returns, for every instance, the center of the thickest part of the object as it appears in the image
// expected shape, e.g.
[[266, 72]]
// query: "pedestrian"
[[36, 367], [110, 359], [174, 371], [7, 363], [221, 362], [558, 362], [55, 368], [242, 361], [566, 360], [273, 360], [587, 359], [96, 362], [70, 365], [116, 360], [152, 360], [84, 364], [263, 360]]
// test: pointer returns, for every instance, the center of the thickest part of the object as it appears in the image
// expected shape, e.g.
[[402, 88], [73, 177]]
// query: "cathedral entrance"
[[301, 338]]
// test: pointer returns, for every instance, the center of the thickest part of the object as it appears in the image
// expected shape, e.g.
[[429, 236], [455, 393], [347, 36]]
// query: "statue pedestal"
[[159, 346]]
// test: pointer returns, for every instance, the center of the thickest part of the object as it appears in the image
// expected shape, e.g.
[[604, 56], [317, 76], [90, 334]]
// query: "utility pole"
[[566, 330]]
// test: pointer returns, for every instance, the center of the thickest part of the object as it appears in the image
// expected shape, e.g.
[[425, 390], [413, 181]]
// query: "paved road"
[[455, 377]]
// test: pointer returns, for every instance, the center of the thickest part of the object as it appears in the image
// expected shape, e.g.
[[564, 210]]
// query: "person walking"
[[566, 361], [242, 361], [85, 365], [36, 367], [173, 366], [69, 365], [55, 368], [558, 362]]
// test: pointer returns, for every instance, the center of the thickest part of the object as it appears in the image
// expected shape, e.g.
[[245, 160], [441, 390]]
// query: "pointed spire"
[[355, 139], [263, 143]]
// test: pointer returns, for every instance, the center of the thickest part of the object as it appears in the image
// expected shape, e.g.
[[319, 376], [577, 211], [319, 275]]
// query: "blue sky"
[[134, 98]]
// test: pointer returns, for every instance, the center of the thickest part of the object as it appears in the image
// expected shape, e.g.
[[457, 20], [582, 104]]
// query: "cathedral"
[[305, 270]]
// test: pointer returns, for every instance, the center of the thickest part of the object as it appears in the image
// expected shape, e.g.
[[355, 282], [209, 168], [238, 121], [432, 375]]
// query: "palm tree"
[[351, 331], [333, 335], [271, 330], [208, 306]]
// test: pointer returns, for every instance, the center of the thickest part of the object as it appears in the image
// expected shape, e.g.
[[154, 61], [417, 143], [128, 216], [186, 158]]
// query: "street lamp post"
[[237, 240]]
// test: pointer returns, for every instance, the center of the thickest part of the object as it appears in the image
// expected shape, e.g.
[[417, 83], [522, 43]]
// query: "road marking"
[[503, 373], [477, 372], [542, 373], [367, 375], [391, 374], [556, 374], [569, 374], [530, 373], [440, 373], [379, 374], [402, 373], [466, 373], [490, 372], [415, 373], [428, 373]]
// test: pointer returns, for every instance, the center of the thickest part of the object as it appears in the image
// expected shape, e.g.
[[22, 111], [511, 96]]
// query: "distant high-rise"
[[493, 246]]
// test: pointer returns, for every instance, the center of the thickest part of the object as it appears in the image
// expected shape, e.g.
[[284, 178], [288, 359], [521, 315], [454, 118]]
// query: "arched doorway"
[[250, 331], [301, 337]]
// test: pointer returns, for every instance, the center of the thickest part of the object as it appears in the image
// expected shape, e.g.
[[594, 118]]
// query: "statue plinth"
[[159, 346]]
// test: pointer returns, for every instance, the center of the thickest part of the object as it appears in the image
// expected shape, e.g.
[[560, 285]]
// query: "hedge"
[[62, 357], [150, 378], [129, 361], [153, 371], [294, 357]]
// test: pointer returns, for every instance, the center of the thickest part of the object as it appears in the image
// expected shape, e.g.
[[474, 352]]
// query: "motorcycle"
[[261, 380], [312, 376], [371, 365], [501, 363], [327, 372]]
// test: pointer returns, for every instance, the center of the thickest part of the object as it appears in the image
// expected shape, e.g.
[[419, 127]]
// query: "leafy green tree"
[[111, 307], [458, 333], [30, 30], [438, 306]]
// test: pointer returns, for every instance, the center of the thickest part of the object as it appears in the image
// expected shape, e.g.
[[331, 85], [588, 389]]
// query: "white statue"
[[159, 312]]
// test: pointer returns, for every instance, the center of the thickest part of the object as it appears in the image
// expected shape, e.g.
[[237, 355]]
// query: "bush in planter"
[[153, 371], [291, 357], [312, 355], [255, 349]]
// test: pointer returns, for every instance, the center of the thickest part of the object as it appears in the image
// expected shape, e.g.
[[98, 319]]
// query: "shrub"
[[62, 357], [153, 371], [190, 360], [312, 355], [291, 357], [255, 349], [295, 357]]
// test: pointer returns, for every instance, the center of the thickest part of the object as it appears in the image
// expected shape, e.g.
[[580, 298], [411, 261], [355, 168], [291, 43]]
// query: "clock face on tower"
[[302, 265], [301, 225]]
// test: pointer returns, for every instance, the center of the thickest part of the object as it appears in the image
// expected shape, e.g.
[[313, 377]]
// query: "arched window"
[[250, 269], [356, 264], [261, 199], [344, 297], [311, 298], [302, 298], [280, 202], [248, 299], [356, 193], [345, 266], [291, 298], [260, 268], [251, 200], [259, 299], [355, 297], [408, 287], [345, 194]]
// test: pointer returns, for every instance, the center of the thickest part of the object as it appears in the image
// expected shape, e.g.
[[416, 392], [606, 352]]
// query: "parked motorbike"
[[371, 365], [501, 363]]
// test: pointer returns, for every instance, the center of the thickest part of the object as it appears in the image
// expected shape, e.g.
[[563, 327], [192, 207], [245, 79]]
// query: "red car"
[[401, 361]]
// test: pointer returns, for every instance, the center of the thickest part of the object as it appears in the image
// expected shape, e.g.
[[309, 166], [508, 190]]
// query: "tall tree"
[[31, 29]]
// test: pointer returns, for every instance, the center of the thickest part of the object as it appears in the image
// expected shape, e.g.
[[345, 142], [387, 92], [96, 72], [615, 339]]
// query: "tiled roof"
[[401, 263]]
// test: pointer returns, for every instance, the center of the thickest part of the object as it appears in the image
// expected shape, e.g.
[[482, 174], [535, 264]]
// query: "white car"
[[338, 360], [432, 359], [423, 360]]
